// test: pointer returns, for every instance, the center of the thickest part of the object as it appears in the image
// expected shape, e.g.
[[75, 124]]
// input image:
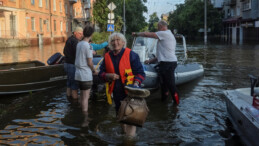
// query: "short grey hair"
[[163, 23], [119, 35], [78, 29]]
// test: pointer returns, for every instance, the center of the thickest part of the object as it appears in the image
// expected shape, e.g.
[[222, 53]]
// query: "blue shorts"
[[70, 69]]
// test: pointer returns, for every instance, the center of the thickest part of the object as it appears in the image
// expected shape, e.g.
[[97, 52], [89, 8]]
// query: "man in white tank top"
[[165, 55]]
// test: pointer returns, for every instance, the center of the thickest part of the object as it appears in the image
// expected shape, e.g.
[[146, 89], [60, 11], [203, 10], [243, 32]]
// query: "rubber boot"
[[176, 98]]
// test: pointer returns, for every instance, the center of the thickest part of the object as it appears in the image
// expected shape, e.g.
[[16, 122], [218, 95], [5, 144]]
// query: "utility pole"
[[124, 20], [205, 21]]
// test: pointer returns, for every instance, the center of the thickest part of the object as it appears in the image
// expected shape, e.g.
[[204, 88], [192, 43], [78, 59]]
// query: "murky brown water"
[[200, 119]]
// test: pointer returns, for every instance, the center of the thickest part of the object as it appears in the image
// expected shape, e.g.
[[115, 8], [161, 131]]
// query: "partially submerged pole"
[[205, 21]]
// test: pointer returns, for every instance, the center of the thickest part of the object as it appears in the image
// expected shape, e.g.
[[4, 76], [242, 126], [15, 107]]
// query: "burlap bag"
[[133, 111]]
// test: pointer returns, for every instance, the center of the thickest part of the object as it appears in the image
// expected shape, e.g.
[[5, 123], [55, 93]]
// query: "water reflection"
[[41, 53], [200, 119]]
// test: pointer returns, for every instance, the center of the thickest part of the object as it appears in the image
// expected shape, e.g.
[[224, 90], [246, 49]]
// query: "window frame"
[[33, 27]]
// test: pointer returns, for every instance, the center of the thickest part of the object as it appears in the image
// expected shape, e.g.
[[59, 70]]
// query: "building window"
[[60, 6], [32, 23], [71, 10], [61, 26], [40, 3], [47, 24], [32, 2], [55, 25], [40, 25], [54, 5], [246, 5], [66, 8], [238, 11], [13, 25], [47, 4], [66, 26]]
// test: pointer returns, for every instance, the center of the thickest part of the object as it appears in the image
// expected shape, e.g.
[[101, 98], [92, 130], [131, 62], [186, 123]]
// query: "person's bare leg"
[[130, 130], [123, 127], [74, 94], [84, 99], [86, 120], [69, 92]]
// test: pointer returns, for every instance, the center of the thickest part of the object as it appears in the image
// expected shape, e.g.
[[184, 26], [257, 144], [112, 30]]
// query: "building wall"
[[52, 20], [239, 23], [217, 3]]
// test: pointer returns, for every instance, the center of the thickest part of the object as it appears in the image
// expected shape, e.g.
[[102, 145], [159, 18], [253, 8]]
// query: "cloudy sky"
[[161, 6]]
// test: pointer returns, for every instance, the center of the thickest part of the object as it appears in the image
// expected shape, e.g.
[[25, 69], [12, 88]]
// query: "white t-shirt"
[[166, 46], [83, 71]]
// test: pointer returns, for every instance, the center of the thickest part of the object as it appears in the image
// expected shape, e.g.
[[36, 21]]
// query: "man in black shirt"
[[69, 65]]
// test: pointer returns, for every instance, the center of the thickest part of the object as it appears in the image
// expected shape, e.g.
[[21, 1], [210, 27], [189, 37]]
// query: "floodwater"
[[47, 118]]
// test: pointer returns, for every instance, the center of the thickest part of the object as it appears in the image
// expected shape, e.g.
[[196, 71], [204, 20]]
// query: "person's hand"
[[146, 61], [96, 73], [136, 84], [111, 76], [94, 53]]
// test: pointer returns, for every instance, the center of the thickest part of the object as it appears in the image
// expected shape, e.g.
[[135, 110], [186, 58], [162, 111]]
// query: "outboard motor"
[[56, 58]]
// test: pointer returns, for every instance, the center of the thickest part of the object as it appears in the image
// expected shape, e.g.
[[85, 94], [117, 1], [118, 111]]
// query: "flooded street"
[[47, 118]]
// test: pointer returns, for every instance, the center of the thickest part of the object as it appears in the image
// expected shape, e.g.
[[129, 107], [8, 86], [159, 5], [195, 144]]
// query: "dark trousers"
[[167, 79]]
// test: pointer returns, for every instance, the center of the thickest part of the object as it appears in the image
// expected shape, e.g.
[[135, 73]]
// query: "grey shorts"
[[85, 85]]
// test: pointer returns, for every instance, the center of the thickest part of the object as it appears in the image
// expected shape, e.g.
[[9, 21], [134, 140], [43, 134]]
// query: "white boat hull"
[[183, 74], [238, 102]]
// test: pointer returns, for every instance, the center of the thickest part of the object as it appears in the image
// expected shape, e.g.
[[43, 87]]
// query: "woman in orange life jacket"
[[121, 67]]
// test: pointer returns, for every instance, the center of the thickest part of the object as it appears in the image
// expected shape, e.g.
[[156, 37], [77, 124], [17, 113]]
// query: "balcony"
[[72, 1]]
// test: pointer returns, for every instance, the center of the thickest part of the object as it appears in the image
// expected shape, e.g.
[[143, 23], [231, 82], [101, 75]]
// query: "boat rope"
[[98, 64]]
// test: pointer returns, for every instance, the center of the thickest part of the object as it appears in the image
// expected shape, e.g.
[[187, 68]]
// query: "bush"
[[100, 37]]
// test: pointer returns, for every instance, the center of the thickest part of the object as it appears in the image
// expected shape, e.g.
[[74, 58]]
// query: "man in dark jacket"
[[69, 65]]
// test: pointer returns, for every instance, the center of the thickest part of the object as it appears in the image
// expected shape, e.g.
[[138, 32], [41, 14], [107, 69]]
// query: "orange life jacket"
[[125, 70]]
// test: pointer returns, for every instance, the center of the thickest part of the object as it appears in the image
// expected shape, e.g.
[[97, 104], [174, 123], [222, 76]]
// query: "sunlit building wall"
[[42, 21]]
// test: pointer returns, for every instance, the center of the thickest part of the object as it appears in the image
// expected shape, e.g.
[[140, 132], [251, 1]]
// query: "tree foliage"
[[100, 14], [118, 24], [152, 23], [188, 18], [135, 20]]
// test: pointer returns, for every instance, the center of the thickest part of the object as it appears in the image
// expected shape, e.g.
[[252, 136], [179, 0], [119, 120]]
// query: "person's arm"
[[91, 65], [74, 43], [99, 46], [150, 60], [137, 69], [145, 34], [107, 77]]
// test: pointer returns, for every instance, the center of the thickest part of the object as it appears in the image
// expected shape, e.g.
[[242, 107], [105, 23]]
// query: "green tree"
[[188, 18], [118, 23], [135, 20], [100, 14], [152, 23]]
